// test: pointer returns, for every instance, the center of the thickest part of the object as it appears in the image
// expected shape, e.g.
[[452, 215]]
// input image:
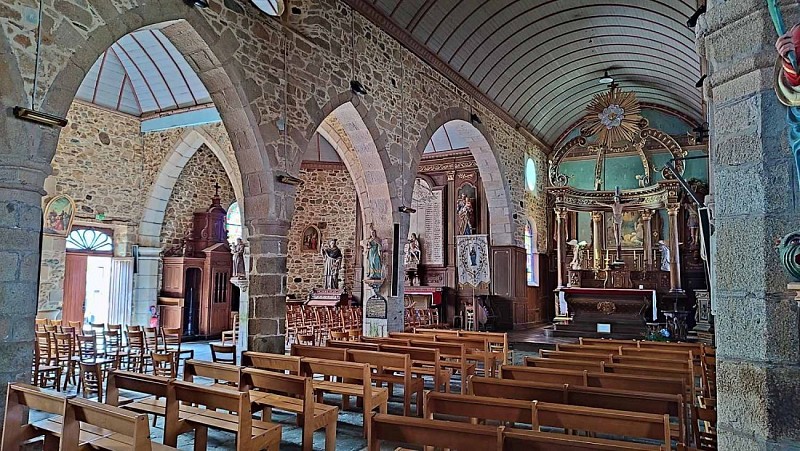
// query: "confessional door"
[[219, 302], [74, 287], [191, 301]]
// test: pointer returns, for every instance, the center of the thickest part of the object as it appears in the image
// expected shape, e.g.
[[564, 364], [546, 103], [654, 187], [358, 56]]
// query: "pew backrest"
[[124, 422], [520, 440], [578, 365], [341, 344], [279, 383], [568, 355], [544, 375], [217, 371], [212, 398], [435, 433], [135, 382], [477, 407], [272, 362], [319, 352], [19, 398]]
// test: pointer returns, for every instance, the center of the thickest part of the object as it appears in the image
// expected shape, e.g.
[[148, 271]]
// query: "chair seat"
[[224, 421]]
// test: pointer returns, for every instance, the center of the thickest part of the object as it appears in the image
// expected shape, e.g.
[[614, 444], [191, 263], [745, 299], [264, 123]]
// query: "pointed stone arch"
[[493, 174]]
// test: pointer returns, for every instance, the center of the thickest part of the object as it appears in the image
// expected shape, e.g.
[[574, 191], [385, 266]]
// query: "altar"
[[607, 312]]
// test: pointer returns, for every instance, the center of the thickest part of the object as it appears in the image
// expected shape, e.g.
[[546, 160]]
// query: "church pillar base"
[[145, 285]]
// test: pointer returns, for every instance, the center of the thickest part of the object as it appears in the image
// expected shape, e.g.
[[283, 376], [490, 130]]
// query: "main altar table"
[[606, 312]]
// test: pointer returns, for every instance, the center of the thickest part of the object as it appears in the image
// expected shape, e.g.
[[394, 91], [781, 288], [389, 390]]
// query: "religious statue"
[[413, 252], [577, 254], [238, 259], [465, 213], [616, 212], [693, 224], [372, 251], [665, 259], [333, 262]]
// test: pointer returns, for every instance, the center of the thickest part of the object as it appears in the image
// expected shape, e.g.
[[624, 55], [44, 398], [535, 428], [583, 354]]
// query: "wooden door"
[[74, 287], [220, 304]]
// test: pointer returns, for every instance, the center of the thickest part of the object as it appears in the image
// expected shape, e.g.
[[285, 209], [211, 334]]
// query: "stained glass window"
[[89, 240], [233, 222], [530, 251]]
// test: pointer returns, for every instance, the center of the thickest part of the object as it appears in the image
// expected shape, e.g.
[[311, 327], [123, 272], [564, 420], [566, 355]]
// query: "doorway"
[[87, 276]]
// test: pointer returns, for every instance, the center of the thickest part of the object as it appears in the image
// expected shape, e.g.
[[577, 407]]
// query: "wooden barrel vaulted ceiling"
[[541, 61]]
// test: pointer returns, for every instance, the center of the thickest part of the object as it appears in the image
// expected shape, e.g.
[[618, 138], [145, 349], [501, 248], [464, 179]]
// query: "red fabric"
[[791, 76]]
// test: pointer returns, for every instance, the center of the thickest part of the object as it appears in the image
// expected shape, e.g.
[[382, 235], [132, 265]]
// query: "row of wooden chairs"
[[316, 325], [414, 317]]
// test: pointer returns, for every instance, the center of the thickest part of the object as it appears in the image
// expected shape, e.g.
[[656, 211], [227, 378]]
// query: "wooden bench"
[[673, 373], [319, 352], [359, 384], [633, 401], [498, 341], [569, 355], [477, 348], [519, 440], [543, 375], [424, 362], [16, 426], [561, 364], [220, 373], [272, 362], [115, 428], [594, 349], [435, 433], [696, 348], [387, 365], [454, 358], [474, 408], [293, 394], [602, 421], [156, 389], [251, 434], [341, 344]]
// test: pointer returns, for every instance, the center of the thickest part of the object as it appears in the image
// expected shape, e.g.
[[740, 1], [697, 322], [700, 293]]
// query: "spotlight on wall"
[[39, 117], [358, 88], [409, 210], [693, 19], [700, 133], [288, 179], [607, 79], [475, 119], [699, 83], [196, 3]]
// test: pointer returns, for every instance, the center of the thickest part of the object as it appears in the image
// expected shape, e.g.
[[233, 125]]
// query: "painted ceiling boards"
[[540, 61]]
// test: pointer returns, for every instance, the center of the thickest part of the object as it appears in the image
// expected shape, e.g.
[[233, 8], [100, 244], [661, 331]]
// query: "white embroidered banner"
[[472, 259]]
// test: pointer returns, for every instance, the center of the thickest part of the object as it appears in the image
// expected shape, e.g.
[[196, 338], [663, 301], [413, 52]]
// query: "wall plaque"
[[428, 222], [376, 307]]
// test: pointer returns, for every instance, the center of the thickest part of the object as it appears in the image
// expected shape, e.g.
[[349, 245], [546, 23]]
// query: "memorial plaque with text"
[[427, 223]]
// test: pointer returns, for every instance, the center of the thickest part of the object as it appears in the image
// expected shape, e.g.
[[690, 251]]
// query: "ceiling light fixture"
[[196, 3], [38, 117], [693, 19], [355, 86], [607, 79]]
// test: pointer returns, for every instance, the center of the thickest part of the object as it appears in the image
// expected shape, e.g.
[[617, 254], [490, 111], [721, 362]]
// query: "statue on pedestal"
[[413, 252], [333, 262], [665, 258], [372, 250], [237, 250], [577, 254], [465, 213]]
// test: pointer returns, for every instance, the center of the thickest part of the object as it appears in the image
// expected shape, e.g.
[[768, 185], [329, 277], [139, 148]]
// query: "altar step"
[[577, 330]]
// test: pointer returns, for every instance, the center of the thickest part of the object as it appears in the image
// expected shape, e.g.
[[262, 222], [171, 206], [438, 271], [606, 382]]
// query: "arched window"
[[89, 240], [532, 257], [233, 222], [271, 7], [530, 175]]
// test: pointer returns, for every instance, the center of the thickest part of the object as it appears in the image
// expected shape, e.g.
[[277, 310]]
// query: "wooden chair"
[[271, 362], [99, 330], [293, 394], [251, 435], [45, 374], [233, 334], [78, 325], [64, 356], [138, 356], [223, 353], [172, 339], [114, 348], [152, 339], [91, 379], [164, 364]]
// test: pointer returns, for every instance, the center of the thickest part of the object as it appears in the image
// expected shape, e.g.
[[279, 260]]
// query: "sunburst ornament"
[[613, 116]]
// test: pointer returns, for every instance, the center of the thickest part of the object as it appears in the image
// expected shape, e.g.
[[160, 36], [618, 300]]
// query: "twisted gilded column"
[[561, 242], [597, 244], [674, 253]]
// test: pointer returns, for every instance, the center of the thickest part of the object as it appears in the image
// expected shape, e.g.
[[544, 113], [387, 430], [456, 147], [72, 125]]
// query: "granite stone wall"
[[327, 200], [193, 192]]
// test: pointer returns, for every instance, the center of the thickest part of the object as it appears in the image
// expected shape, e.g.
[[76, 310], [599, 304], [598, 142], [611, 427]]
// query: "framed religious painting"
[[310, 239], [58, 216], [632, 233]]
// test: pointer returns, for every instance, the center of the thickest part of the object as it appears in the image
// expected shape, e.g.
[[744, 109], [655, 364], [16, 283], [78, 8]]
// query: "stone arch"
[[495, 182], [160, 192], [211, 55]]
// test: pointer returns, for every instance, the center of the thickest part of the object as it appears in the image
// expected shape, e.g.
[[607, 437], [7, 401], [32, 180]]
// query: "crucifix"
[[616, 213], [216, 189]]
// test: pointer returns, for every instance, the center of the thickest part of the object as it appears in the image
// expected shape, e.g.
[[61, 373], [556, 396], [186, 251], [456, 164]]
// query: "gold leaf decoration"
[[613, 117]]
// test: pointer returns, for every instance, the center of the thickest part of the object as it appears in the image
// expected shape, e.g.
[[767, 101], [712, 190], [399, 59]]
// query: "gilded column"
[[561, 240], [647, 227], [597, 243], [674, 253]]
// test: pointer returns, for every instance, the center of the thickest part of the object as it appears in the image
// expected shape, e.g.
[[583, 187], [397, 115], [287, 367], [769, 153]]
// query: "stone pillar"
[[756, 203], [647, 227], [266, 309], [21, 182], [674, 250], [145, 284], [243, 285], [597, 244], [561, 243]]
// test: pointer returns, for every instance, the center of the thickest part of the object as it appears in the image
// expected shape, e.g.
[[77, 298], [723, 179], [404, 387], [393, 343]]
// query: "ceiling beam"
[[408, 41]]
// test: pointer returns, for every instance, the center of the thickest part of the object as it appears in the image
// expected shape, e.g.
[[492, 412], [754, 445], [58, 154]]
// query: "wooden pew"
[[293, 394], [520, 440], [659, 353], [568, 355], [341, 344], [251, 434], [319, 352], [424, 362], [498, 341], [696, 348], [387, 365], [116, 428], [156, 387], [477, 348], [225, 372], [435, 433], [372, 397], [16, 426], [543, 375], [561, 364], [454, 358], [672, 373], [273, 362], [602, 421], [595, 349], [654, 362], [474, 408]]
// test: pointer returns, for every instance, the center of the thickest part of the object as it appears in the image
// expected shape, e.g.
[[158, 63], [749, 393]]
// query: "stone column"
[[674, 250], [145, 284], [756, 203], [266, 302], [597, 244], [647, 227], [21, 182], [561, 243]]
